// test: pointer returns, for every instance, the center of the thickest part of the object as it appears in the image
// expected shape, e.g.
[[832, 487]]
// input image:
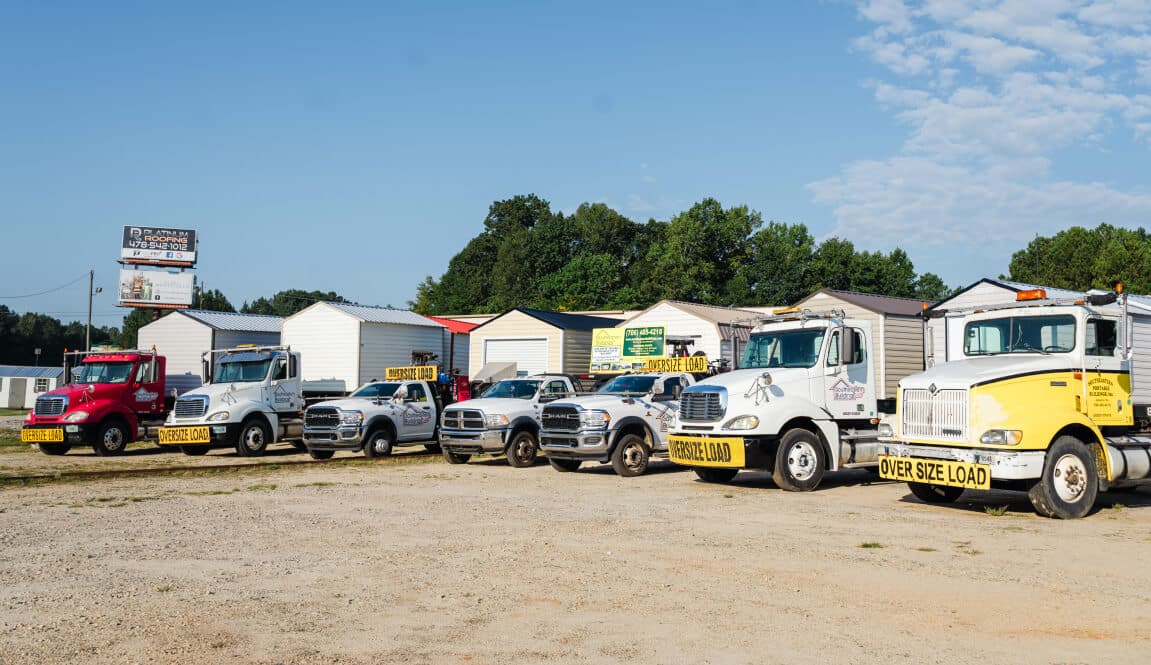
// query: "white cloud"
[[990, 92]]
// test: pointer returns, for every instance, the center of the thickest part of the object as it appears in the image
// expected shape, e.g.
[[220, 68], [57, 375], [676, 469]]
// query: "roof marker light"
[[1031, 294]]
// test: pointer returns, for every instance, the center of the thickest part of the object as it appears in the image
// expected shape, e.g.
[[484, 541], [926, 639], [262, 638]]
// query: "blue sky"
[[356, 146]]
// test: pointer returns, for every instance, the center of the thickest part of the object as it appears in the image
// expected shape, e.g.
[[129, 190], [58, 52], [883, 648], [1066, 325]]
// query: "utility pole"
[[91, 292]]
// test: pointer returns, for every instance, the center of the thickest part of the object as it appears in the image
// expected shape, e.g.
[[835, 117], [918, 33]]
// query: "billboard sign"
[[625, 349], [156, 246], [156, 288]]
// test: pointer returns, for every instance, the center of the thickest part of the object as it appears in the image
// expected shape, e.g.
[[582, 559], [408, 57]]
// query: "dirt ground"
[[425, 562]]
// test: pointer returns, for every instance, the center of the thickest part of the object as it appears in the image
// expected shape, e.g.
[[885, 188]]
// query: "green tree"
[[211, 300], [1081, 259], [287, 303], [778, 266]]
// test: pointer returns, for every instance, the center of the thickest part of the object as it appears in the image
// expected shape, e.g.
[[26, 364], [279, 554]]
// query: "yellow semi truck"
[[1051, 397]]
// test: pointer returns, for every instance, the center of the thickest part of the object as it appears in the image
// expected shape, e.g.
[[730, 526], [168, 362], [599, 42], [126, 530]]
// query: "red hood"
[[78, 393]]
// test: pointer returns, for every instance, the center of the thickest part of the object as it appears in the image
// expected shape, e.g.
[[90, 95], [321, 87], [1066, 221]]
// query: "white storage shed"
[[19, 385], [184, 335], [537, 341], [356, 343]]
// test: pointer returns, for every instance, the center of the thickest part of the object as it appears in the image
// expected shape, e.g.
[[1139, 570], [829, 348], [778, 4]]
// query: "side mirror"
[[400, 394], [847, 347], [657, 388]]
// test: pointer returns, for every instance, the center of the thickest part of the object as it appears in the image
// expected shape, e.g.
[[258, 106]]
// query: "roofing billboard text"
[[144, 244]]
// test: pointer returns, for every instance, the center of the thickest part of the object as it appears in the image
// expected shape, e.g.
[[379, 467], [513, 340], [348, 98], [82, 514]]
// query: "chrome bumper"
[[473, 441]]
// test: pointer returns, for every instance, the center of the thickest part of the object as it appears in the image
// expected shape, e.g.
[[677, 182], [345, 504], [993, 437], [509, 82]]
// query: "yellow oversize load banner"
[[42, 435], [723, 451], [421, 373], [936, 472], [689, 364], [170, 436]]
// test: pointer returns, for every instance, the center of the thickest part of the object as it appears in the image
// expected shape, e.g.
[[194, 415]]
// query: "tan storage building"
[[537, 341], [708, 326]]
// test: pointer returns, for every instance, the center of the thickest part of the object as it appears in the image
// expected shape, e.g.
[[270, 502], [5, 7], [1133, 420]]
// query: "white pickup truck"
[[505, 420], [625, 422], [375, 418]]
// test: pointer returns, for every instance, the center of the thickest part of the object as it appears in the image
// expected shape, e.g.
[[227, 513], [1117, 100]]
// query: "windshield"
[[377, 390], [791, 348], [104, 373], [1020, 334], [515, 388], [635, 385], [242, 371]]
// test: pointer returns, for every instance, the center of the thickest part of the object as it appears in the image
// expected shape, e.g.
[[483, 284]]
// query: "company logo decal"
[[144, 395], [842, 391]]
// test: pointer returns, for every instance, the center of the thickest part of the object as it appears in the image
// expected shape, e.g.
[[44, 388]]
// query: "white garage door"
[[529, 355]]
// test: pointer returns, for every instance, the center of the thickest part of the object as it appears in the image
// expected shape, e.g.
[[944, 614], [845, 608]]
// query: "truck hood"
[[78, 393], [599, 401], [962, 374], [496, 405], [356, 403], [226, 393], [742, 380]]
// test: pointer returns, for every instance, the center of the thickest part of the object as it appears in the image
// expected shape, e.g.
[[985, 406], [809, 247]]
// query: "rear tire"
[[195, 450], [799, 461], [709, 475], [630, 457], [928, 493], [455, 458], [1070, 481], [379, 444], [523, 449], [255, 435], [112, 439], [54, 448], [321, 454], [564, 465]]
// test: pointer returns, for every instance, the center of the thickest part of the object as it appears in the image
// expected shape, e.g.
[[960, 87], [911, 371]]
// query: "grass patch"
[[871, 545], [996, 511], [164, 588], [926, 549], [320, 483], [265, 487], [13, 412], [1118, 506], [729, 496]]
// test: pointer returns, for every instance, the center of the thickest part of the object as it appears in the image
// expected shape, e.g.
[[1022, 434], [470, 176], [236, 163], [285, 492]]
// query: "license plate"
[[722, 451], [936, 472], [42, 435], [177, 435]]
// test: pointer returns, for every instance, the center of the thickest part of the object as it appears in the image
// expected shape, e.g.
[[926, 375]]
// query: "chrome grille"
[[562, 418], [322, 416], [463, 419], [50, 406], [700, 406], [190, 407], [939, 416]]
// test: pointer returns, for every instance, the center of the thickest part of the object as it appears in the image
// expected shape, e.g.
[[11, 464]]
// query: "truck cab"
[[803, 402], [253, 397], [377, 417], [625, 422], [112, 395], [504, 420]]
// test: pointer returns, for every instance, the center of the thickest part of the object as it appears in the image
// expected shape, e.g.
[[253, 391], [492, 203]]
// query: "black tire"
[[710, 475], [54, 448], [523, 449], [195, 450], [799, 461], [935, 493], [432, 447], [321, 454], [455, 458], [379, 444], [254, 437], [111, 439], [564, 465], [630, 457], [1070, 481]]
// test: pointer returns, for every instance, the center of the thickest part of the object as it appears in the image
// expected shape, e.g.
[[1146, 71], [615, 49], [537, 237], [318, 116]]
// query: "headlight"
[[75, 416], [219, 416], [1002, 437], [885, 430], [742, 422], [496, 421], [351, 417], [595, 419]]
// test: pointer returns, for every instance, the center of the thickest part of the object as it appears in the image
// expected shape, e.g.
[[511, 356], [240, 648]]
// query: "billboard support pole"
[[88, 328]]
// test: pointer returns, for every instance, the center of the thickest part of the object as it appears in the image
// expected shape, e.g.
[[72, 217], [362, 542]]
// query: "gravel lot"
[[429, 563]]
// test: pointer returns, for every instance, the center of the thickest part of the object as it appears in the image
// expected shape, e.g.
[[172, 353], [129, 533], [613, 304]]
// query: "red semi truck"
[[108, 398]]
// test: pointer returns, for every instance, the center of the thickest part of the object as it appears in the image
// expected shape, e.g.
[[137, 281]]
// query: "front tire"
[[321, 454], [54, 448], [455, 458], [523, 449], [709, 475], [195, 450], [799, 461], [564, 465], [254, 438], [630, 457], [928, 493], [112, 439], [1070, 481], [379, 444]]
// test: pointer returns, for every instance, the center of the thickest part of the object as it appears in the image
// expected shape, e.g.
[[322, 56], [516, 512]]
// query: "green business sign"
[[643, 342]]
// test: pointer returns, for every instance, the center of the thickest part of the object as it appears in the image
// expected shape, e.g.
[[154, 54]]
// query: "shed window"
[[41, 386]]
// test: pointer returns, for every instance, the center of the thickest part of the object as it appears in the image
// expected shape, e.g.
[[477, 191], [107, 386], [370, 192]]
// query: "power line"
[[40, 293]]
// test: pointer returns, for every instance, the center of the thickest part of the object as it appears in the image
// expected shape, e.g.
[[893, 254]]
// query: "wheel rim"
[[380, 444], [254, 438], [1069, 478], [524, 449], [633, 457], [113, 438], [801, 461]]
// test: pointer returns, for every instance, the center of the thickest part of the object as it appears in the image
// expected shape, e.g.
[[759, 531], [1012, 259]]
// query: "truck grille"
[[322, 416], [50, 406], [701, 406], [562, 418], [190, 407], [463, 419], [940, 416]]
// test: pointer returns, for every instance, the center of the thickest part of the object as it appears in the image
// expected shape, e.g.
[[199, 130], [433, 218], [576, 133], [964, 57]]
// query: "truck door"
[[419, 414], [146, 394], [847, 388], [1107, 386]]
